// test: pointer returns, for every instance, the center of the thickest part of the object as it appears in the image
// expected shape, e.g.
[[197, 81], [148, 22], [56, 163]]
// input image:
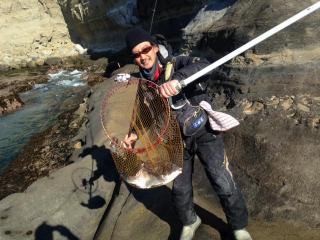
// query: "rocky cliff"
[[31, 32], [99, 24]]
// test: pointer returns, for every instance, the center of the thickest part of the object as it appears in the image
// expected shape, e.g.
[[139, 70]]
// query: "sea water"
[[42, 106]]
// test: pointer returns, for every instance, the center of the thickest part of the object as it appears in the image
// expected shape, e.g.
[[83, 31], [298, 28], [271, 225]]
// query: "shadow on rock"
[[215, 222], [45, 232], [94, 202], [219, 5], [105, 164], [158, 200], [84, 179], [81, 179]]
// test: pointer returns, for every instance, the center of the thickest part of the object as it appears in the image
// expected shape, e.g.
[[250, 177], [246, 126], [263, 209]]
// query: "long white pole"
[[250, 44]]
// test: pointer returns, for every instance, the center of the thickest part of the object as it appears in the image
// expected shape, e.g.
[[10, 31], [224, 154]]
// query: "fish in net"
[[136, 107]]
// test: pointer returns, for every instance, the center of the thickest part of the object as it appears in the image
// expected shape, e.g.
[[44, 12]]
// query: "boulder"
[[10, 103]]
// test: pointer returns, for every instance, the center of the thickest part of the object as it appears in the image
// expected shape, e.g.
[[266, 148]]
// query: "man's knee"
[[181, 189], [223, 183]]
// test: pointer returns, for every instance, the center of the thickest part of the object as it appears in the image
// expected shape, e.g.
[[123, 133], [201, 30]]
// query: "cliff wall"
[[31, 32]]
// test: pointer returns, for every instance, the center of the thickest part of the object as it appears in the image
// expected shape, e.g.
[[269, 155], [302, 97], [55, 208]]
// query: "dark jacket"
[[185, 66]]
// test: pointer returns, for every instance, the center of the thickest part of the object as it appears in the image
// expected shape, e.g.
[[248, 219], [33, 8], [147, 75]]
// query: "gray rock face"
[[205, 18], [276, 148], [274, 152], [99, 24], [276, 162], [56, 206], [66, 204], [248, 19]]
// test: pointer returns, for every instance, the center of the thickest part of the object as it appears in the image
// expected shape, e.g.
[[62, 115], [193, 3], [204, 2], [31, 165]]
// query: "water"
[[42, 106]]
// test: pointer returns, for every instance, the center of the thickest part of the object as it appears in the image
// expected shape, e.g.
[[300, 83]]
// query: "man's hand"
[[170, 88], [129, 141]]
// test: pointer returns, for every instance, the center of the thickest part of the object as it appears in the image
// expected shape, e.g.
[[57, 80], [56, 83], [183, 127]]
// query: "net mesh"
[[137, 107]]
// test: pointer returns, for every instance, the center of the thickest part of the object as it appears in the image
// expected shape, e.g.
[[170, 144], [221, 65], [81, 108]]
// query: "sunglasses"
[[143, 51]]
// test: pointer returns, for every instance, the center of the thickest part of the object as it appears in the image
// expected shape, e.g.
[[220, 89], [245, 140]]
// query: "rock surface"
[[63, 209], [99, 24], [32, 32], [10, 103], [273, 90], [68, 201], [51, 215], [11, 84]]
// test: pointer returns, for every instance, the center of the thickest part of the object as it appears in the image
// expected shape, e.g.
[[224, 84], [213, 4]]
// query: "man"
[[206, 143]]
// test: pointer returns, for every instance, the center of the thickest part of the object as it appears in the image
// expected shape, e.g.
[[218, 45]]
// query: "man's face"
[[145, 54]]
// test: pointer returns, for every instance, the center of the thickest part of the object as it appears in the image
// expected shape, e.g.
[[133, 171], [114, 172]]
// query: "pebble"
[[286, 104], [274, 101], [252, 108], [291, 114], [305, 101], [315, 123], [40, 62], [77, 145], [303, 108]]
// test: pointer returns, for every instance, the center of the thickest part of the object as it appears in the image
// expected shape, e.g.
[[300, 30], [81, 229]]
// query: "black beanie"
[[137, 35]]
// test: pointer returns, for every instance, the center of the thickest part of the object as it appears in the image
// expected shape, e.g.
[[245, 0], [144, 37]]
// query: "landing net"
[[136, 107]]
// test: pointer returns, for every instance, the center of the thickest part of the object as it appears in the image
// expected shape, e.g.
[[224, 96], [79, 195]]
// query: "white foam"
[[37, 86], [70, 83], [57, 75], [75, 72], [66, 78]]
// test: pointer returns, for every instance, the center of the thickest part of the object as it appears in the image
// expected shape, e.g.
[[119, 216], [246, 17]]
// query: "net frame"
[[169, 134], [114, 141]]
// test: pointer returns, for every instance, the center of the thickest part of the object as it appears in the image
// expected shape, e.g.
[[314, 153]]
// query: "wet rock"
[[10, 103], [46, 151]]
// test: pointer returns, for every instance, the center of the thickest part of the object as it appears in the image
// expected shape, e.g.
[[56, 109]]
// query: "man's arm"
[[186, 66]]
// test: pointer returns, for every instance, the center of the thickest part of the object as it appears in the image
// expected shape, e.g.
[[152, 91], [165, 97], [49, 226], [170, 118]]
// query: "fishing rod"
[[248, 45], [153, 13]]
